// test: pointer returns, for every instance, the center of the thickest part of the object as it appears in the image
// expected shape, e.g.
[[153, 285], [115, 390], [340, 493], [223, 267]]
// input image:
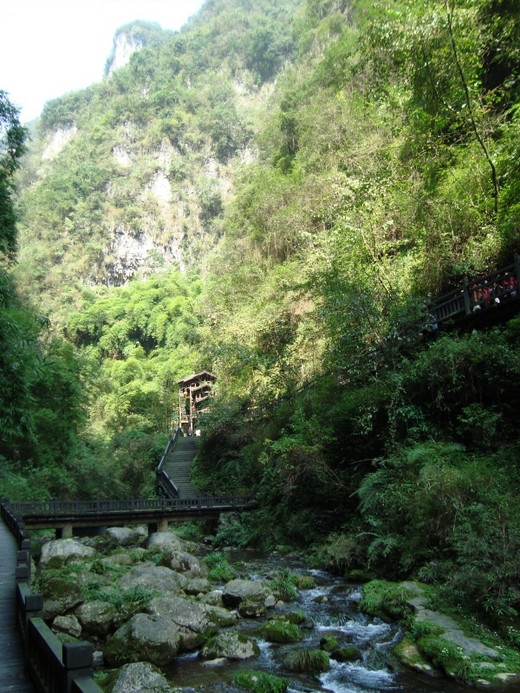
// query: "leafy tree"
[[12, 146]]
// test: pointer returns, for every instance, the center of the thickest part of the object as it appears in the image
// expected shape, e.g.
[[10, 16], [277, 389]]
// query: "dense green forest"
[[272, 194]]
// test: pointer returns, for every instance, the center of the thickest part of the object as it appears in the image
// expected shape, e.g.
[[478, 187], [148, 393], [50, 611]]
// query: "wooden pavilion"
[[194, 392]]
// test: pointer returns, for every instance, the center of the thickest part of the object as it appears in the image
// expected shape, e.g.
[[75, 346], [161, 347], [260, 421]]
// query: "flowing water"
[[332, 608]]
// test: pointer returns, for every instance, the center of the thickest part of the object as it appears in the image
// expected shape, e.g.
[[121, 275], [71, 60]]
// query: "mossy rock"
[[307, 661], [280, 631], [329, 643], [304, 582], [346, 654], [408, 654], [387, 600], [298, 617]]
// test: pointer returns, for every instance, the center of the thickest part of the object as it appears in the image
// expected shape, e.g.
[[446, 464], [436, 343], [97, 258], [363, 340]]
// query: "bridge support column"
[[64, 532], [162, 525]]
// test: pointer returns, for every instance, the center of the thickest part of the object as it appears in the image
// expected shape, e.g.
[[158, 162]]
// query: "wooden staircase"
[[178, 465]]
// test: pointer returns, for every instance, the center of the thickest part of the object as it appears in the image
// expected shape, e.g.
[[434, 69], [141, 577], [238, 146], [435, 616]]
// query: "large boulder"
[[213, 598], [60, 595], [231, 645], [153, 578], [138, 677], [183, 562], [197, 586], [125, 536], [166, 541], [96, 617], [145, 637], [58, 552], [195, 622], [251, 597]]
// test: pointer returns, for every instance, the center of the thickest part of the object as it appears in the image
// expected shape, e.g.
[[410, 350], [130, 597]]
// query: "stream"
[[331, 607]]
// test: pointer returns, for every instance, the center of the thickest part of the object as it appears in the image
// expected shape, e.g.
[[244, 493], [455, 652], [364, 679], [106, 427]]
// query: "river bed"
[[332, 608]]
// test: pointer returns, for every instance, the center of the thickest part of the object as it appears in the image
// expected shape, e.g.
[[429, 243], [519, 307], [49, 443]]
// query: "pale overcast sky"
[[51, 47]]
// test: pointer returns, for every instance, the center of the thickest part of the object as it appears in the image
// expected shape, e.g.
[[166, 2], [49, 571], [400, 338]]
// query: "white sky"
[[51, 47]]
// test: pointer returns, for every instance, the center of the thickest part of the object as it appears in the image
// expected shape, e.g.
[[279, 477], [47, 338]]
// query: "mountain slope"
[[132, 174]]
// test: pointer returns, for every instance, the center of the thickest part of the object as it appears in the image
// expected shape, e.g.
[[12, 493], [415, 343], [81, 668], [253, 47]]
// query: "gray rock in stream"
[[231, 645], [195, 622], [251, 597], [145, 637], [139, 677]]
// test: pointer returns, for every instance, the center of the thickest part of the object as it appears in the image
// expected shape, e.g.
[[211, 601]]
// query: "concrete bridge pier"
[[159, 526], [65, 532]]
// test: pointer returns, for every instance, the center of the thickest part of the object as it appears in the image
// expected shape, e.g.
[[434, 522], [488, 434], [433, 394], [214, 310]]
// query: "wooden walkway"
[[12, 674]]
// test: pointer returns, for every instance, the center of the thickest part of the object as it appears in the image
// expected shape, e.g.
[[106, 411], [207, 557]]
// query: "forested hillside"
[[273, 194]]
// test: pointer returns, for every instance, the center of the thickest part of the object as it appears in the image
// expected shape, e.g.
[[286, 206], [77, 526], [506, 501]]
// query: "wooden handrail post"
[[77, 659]]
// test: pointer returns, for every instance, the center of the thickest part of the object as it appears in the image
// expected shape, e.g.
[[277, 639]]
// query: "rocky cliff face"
[[124, 45]]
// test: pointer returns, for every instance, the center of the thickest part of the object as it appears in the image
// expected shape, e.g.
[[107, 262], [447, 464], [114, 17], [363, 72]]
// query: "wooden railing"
[[53, 666], [23, 511], [481, 293], [165, 485]]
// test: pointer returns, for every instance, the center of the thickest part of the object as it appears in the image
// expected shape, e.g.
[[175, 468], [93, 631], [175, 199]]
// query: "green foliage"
[[12, 147], [260, 682]]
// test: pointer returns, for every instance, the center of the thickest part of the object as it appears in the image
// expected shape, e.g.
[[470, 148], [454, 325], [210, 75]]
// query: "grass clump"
[[220, 570], [307, 661], [283, 585], [280, 631], [260, 682]]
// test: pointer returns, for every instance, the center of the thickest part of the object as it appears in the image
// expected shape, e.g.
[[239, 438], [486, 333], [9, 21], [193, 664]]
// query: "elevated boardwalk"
[[12, 667], [483, 300]]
